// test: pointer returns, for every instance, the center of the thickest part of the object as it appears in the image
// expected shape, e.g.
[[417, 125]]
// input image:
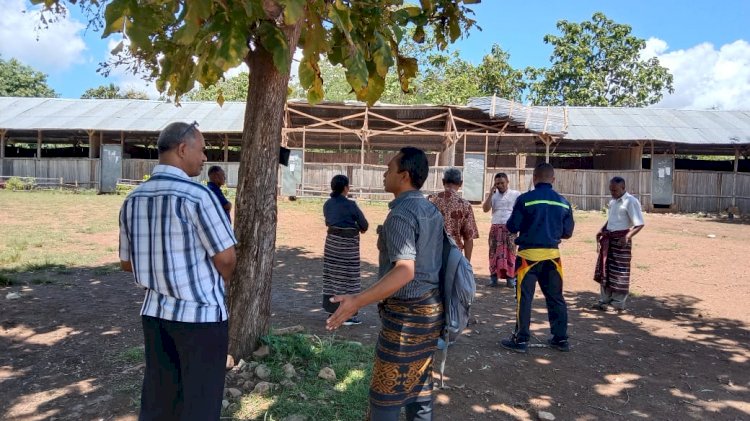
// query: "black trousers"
[[185, 365], [548, 274]]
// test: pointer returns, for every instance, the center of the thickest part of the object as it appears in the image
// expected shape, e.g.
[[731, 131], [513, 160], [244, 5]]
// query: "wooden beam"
[[91, 143], [302, 167], [2, 143], [414, 125], [226, 147], [122, 140], [39, 144], [734, 175]]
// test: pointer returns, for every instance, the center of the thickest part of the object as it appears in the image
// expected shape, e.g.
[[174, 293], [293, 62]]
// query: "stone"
[[12, 296], [289, 371], [545, 416], [230, 362], [262, 352], [711, 236], [234, 393], [240, 365], [327, 373], [295, 417], [224, 404], [250, 366], [263, 372], [263, 387], [246, 375], [249, 385], [288, 383]]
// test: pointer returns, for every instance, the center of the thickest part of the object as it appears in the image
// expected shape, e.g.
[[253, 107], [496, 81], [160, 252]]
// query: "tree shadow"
[[68, 343]]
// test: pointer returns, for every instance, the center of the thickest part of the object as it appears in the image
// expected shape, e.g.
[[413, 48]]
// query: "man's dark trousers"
[[185, 365], [546, 273]]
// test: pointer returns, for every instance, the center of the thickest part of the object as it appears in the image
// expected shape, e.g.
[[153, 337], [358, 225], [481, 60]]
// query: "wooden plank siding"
[[694, 191]]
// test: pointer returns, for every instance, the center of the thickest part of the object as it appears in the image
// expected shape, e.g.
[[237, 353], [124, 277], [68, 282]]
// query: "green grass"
[[55, 231], [345, 399], [133, 355]]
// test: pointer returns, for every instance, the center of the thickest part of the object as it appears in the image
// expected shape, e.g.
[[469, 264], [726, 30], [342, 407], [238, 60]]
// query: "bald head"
[[544, 173]]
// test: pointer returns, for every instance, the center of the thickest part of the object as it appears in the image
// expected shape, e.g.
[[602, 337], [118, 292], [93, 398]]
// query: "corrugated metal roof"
[[116, 114], [691, 127]]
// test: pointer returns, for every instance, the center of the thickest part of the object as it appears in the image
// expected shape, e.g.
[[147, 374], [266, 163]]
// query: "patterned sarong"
[[402, 372], [502, 252], [613, 262], [341, 274]]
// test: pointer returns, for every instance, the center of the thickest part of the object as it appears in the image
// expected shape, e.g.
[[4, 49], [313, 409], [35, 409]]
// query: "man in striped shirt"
[[177, 241], [410, 245]]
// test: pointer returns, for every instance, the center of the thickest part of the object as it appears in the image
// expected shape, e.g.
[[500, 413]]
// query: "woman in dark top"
[[341, 264]]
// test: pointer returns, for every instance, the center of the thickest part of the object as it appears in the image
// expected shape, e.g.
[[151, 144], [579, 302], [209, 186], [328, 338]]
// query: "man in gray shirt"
[[410, 243]]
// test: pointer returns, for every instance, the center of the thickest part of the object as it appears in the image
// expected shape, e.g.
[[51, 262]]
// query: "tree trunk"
[[255, 225]]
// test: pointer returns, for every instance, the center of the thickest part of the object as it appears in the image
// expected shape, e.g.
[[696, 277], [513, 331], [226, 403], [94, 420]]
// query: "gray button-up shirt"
[[413, 230]]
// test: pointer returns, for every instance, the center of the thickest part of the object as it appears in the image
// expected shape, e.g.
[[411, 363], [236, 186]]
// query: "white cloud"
[[125, 79], [50, 50], [705, 77]]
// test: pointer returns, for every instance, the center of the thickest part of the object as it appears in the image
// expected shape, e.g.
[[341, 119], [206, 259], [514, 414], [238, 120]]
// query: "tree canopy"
[[598, 63], [112, 91], [18, 79], [178, 43], [230, 89]]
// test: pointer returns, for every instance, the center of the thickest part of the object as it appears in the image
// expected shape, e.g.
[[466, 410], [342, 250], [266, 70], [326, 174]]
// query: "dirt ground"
[[681, 351]]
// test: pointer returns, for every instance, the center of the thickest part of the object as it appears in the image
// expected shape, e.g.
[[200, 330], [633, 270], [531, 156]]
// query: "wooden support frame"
[[39, 144], [3, 132], [226, 147], [91, 134]]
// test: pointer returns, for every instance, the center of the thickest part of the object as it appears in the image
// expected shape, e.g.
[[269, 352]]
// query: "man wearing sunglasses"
[[179, 245]]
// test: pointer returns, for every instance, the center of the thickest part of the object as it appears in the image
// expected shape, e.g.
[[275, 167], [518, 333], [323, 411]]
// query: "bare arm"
[[225, 262], [397, 277], [468, 248], [126, 265], [633, 231], [487, 204]]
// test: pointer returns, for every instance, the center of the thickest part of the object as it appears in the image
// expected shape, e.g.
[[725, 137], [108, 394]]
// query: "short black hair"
[[338, 184], [176, 134], [414, 161], [452, 176], [214, 169], [544, 171], [617, 180], [502, 175]]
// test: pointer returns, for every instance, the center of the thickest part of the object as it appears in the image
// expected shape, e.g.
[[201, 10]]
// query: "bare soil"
[[681, 351]]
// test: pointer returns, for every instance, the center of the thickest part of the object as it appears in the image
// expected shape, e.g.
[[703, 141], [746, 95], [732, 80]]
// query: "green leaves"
[[293, 10], [274, 41], [598, 62]]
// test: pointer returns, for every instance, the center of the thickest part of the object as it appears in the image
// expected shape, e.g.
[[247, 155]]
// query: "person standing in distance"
[[542, 218], [457, 212], [216, 179], [500, 200], [177, 242], [615, 244]]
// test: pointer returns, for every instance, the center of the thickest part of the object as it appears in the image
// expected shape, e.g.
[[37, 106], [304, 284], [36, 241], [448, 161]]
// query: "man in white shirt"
[[615, 239], [502, 242]]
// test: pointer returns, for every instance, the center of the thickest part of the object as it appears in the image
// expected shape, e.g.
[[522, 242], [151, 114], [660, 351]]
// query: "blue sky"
[[705, 44]]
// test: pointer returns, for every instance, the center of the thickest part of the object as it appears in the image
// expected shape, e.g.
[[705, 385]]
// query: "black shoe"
[[513, 345], [562, 346], [599, 306], [510, 283]]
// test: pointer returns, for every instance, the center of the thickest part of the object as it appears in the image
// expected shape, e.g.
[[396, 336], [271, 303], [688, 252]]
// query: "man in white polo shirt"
[[502, 244], [615, 239]]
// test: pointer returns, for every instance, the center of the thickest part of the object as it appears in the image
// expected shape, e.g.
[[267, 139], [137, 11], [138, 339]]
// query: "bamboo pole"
[[734, 176], [302, 167]]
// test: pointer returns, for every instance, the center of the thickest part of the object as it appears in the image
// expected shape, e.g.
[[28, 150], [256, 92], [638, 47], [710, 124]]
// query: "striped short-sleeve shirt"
[[170, 228]]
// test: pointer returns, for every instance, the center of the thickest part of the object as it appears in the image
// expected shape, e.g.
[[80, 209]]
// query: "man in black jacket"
[[542, 218]]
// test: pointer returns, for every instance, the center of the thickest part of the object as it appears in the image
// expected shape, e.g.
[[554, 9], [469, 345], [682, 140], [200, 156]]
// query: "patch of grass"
[[107, 269], [5, 280], [42, 281], [345, 399], [132, 355]]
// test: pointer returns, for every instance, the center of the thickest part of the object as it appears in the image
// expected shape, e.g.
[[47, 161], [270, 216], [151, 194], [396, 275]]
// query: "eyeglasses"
[[188, 129]]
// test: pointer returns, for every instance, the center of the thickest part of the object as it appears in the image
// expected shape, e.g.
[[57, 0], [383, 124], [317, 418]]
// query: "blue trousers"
[[548, 274]]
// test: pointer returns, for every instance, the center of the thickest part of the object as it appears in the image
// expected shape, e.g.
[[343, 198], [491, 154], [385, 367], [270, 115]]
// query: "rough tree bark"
[[250, 288]]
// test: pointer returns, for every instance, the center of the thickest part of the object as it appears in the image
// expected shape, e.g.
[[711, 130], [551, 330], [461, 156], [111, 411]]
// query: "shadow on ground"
[[70, 352]]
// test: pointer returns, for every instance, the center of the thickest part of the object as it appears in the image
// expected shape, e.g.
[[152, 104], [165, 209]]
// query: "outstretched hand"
[[347, 308]]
